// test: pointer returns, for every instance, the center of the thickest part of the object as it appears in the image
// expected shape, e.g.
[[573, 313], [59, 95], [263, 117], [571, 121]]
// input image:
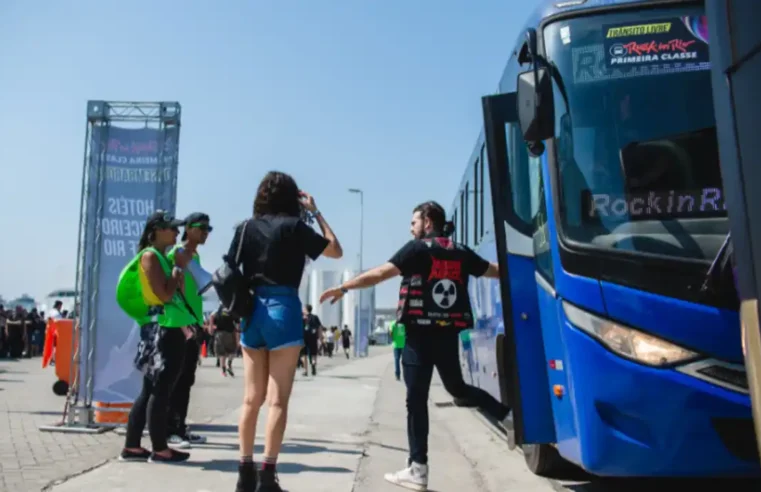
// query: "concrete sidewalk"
[[346, 428], [327, 420], [465, 453]]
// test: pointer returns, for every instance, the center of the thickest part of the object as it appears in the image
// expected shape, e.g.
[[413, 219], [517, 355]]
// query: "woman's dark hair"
[[146, 237], [278, 194], [435, 213]]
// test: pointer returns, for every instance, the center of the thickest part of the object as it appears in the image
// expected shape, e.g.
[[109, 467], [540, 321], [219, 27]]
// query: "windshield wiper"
[[720, 262]]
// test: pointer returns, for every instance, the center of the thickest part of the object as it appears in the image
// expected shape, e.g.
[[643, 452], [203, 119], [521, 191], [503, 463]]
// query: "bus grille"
[[735, 377], [727, 375]]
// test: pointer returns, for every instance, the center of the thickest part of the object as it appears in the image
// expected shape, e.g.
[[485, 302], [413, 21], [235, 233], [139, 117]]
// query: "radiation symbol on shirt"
[[444, 293]]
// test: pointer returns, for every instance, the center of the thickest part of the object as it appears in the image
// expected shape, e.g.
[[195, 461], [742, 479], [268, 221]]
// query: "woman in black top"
[[276, 243]]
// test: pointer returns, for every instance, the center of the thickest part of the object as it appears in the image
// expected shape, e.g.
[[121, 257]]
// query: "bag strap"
[[240, 243], [190, 309]]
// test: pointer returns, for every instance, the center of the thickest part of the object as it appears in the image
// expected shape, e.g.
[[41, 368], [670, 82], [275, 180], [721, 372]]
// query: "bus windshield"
[[635, 145]]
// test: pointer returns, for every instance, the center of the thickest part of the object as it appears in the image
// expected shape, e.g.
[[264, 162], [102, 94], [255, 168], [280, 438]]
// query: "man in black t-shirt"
[[312, 334], [346, 340], [434, 307]]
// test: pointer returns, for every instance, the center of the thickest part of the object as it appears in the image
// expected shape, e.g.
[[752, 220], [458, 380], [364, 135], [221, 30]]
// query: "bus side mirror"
[[536, 109]]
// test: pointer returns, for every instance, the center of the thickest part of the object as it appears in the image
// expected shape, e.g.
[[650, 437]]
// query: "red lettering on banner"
[[446, 269], [416, 292], [455, 315], [403, 290], [635, 48], [460, 324], [415, 312]]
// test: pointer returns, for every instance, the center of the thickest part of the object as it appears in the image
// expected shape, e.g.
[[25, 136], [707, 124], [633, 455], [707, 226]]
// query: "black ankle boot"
[[268, 481], [247, 479]]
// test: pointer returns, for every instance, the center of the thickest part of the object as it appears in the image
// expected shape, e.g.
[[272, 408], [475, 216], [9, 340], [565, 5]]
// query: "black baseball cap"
[[161, 219], [197, 218]]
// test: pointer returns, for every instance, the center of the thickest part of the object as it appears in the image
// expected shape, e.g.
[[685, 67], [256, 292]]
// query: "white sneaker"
[[195, 438], [178, 442], [414, 477]]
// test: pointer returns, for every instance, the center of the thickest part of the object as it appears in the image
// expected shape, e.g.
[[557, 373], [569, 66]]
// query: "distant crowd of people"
[[320, 341], [22, 332]]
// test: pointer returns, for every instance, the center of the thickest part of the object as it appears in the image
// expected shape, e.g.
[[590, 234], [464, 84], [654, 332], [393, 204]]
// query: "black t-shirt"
[[345, 335], [224, 321], [311, 325], [414, 258], [275, 249]]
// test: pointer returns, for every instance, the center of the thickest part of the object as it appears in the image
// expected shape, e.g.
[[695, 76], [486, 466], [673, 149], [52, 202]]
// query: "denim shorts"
[[277, 321]]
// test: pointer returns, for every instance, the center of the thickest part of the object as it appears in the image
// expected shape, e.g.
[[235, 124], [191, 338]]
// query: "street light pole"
[[357, 351], [361, 222]]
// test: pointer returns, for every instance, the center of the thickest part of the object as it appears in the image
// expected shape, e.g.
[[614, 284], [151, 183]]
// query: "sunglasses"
[[201, 225]]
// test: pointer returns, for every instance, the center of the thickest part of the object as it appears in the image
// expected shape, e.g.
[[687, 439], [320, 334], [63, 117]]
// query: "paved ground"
[[346, 428], [30, 460]]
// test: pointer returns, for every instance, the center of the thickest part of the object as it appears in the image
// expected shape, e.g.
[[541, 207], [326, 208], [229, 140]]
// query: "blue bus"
[[596, 185]]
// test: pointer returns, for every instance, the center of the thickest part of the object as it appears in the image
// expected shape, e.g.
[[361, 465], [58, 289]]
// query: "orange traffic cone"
[[204, 350]]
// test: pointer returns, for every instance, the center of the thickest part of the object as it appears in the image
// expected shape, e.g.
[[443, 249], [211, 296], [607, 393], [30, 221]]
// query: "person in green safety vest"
[[197, 229], [149, 291], [396, 330]]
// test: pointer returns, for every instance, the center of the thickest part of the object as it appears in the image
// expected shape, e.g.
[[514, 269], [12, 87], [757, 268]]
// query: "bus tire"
[[60, 388], [544, 460]]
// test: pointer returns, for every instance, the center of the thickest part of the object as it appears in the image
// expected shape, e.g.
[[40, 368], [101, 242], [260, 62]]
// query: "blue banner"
[[131, 173]]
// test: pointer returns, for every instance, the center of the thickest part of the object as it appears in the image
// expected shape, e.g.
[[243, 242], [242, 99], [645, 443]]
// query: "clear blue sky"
[[378, 95]]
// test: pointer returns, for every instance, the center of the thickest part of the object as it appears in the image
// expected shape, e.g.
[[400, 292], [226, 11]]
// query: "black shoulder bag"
[[233, 288]]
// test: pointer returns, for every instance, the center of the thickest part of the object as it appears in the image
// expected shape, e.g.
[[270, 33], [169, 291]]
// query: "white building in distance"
[[344, 312]]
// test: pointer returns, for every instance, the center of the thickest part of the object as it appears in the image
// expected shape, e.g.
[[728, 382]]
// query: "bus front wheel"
[[544, 460]]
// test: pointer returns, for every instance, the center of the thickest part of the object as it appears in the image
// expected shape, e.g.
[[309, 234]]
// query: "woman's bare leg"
[[282, 369], [255, 371]]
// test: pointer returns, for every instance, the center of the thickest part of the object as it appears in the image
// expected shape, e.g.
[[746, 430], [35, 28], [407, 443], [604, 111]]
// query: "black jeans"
[[425, 349], [152, 405], [179, 399]]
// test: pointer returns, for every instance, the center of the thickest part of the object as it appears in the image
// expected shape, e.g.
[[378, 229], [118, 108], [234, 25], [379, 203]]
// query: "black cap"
[[196, 217], [161, 219]]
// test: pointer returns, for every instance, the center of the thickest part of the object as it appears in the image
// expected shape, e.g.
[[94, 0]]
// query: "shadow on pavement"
[[282, 467], [367, 378], [221, 428], [287, 448], [47, 413]]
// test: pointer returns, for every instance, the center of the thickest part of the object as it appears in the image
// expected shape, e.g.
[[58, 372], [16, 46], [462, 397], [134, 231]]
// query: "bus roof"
[[551, 7], [548, 8]]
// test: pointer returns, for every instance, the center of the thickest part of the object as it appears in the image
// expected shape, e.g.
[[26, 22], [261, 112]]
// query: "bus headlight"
[[628, 342]]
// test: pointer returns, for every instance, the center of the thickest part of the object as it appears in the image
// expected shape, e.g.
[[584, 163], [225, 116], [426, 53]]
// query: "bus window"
[[487, 215], [523, 194], [461, 229], [476, 203], [466, 215]]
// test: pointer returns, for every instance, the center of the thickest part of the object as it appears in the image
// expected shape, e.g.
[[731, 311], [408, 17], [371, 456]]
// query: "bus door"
[[523, 371], [736, 62]]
